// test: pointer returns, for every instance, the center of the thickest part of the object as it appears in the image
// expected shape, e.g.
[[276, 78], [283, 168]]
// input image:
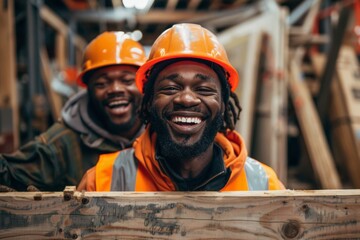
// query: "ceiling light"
[[138, 4], [128, 3]]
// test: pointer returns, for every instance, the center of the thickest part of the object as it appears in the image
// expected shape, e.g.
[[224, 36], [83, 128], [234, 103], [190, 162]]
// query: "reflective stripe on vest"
[[255, 175], [124, 171]]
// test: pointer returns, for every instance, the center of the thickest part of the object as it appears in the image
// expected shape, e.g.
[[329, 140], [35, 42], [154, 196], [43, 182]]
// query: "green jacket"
[[60, 156]]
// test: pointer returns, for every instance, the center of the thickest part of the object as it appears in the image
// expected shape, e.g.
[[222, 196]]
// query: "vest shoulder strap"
[[256, 175], [124, 171]]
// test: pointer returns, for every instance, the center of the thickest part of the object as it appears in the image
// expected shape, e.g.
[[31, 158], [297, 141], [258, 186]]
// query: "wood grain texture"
[[321, 214]]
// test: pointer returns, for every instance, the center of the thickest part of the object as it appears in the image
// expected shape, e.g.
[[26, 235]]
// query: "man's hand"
[[4, 188], [30, 188]]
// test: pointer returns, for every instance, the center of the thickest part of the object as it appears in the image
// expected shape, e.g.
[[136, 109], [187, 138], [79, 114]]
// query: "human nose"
[[187, 98], [116, 86]]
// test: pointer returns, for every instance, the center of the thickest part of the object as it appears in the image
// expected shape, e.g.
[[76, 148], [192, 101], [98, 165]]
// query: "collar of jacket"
[[212, 178], [231, 144]]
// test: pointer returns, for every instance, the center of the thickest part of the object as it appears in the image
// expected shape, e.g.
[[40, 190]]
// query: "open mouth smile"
[[186, 120], [119, 103], [118, 107], [186, 124]]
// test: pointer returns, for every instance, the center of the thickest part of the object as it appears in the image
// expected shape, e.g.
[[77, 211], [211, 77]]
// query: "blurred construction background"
[[298, 62]]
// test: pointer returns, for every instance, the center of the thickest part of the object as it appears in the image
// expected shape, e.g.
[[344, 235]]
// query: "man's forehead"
[[187, 64], [116, 69]]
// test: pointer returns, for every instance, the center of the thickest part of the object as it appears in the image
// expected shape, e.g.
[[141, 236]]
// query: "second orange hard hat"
[[111, 48]]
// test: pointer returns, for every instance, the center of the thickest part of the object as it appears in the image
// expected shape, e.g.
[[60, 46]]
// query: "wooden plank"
[[8, 81], [312, 131], [316, 214]]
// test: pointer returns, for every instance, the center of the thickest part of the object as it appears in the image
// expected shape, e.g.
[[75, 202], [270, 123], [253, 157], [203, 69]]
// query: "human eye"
[[128, 81], [206, 90], [100, 83], [169, 90]]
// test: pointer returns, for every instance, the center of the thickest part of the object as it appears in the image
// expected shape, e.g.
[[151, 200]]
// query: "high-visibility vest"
[[121, 172]]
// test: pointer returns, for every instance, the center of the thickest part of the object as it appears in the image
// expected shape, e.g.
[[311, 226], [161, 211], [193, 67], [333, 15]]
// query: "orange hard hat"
[[187, 40], [111, 48]]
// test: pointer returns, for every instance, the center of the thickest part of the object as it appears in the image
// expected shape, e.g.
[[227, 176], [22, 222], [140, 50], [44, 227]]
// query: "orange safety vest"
[[136, 169]]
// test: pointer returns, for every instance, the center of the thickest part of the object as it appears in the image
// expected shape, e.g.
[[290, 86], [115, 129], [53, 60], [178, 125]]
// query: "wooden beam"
[[59, 25], [336, 37], [52, 96], [310, 19], [8, 82], [312, 131], [231, 17], [171, 5], [315, 214], [306, 39], [61, 52], [300, 10], [193, 4]]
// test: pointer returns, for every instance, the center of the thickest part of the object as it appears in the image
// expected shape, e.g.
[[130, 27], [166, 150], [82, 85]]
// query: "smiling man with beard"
[[101, 120], [190, 111]]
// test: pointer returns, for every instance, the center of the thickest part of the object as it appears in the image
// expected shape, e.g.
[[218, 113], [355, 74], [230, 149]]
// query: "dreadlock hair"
[[232, 104]]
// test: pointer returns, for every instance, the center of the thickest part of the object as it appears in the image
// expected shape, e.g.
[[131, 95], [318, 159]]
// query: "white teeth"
[[121, 102], [195, 120]]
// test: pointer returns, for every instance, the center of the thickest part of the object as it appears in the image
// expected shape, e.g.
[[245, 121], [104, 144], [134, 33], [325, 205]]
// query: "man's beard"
[[178, 152], [123, 127]]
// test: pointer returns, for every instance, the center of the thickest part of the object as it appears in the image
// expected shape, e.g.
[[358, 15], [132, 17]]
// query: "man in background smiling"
[[102, 119]]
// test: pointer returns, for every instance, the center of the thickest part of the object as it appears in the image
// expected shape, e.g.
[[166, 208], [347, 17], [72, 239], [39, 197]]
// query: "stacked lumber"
[[345, 113]]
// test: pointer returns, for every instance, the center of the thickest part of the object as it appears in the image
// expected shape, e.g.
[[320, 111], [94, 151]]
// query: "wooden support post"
[[53, 97], [314, 137], [9, 119], [60, 51], [329, 69], [316, 214]]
